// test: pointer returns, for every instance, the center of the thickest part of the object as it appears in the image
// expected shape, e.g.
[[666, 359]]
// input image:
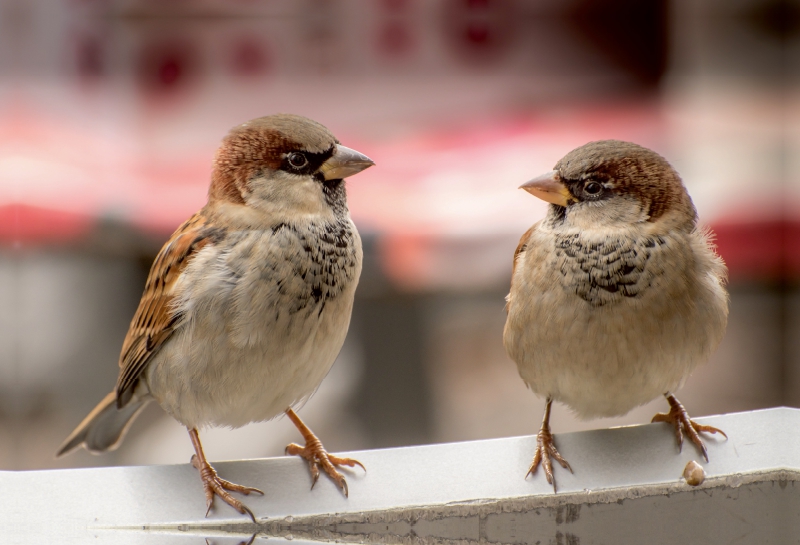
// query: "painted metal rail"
[[627, 488]]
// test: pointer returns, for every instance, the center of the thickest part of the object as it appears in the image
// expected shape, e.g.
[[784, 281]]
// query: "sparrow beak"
[[344, 162], [548, 187]]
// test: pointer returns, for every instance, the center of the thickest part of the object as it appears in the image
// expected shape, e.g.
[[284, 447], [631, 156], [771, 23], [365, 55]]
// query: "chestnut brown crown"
[[265, 143], [609, 168]]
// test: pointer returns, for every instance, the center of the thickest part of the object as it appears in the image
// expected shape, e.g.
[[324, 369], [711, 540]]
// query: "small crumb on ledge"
[[694, 473]]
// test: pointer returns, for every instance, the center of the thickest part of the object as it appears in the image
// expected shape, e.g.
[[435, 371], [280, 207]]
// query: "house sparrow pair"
[[615, 296]]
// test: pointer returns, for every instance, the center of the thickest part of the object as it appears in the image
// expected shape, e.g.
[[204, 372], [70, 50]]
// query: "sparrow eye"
[[297, 160], [593, 188]]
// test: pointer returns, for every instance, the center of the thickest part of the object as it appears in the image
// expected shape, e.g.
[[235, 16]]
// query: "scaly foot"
[[679, 418], [317, 457], [214, 485], [545, 449]]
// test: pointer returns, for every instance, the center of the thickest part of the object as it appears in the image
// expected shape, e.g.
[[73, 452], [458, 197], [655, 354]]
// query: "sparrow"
[[616, 295], [248, 303]]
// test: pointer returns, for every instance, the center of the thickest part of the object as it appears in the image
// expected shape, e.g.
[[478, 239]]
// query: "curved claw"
[[679, 418], [249, 512], [317, 457], [545, 449], [708, 429], [349, 462], [213, 485]]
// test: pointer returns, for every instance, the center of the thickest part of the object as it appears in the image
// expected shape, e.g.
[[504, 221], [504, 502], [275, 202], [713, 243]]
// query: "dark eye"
[[297, 160], [593, 188]]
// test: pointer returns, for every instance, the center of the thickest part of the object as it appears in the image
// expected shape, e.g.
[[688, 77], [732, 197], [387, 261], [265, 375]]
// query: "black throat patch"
[[606, 272]]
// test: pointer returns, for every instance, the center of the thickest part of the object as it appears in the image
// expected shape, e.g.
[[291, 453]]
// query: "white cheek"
[[614, 211], [287, 195]]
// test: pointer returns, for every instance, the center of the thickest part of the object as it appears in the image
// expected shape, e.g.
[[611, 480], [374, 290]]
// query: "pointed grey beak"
[[344, 162], [549, 188]]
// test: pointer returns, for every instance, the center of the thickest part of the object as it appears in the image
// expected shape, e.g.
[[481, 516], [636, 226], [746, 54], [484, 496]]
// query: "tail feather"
[[104, 427]]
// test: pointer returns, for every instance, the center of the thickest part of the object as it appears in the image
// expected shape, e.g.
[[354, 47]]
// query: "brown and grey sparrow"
[[248, 303], [616, 295]]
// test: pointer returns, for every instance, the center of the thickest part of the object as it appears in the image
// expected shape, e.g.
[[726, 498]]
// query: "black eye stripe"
[[315, 161], [578, 188]]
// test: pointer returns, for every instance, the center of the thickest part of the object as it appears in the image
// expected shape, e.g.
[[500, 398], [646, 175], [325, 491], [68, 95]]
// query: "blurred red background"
[[110, 112]]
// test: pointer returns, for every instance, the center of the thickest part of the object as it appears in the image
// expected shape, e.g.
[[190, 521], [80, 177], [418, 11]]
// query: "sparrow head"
[[285, 164], [613, 182]]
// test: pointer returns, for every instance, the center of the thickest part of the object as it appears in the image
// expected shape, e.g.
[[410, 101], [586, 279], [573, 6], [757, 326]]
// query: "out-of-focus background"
[[111, 110]]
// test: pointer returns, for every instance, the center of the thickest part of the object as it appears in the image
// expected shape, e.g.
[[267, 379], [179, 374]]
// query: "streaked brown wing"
[[521, 247], [155, 319]]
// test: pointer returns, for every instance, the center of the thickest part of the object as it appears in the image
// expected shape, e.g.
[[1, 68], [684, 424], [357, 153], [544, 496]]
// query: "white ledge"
[[627, 487]]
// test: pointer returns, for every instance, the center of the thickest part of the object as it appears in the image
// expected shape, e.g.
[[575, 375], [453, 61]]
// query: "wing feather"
[[156, 317], [521, 247]]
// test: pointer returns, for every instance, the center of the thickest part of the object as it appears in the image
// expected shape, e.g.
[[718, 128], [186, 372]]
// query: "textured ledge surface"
[[627, 487]]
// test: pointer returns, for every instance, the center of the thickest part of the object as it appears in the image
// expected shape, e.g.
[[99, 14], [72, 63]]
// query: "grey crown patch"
[[607, 272]]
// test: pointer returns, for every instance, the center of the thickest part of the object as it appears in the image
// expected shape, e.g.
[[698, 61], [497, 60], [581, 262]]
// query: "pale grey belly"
[[244, 369], [606, 361]]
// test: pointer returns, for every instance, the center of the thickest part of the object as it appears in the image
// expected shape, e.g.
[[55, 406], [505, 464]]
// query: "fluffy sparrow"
[[616, 295], [248, 303]]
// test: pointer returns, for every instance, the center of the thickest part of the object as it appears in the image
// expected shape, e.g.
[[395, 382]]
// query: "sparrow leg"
[[679, 418], [213, 484], [545, 448], [316, 455]]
